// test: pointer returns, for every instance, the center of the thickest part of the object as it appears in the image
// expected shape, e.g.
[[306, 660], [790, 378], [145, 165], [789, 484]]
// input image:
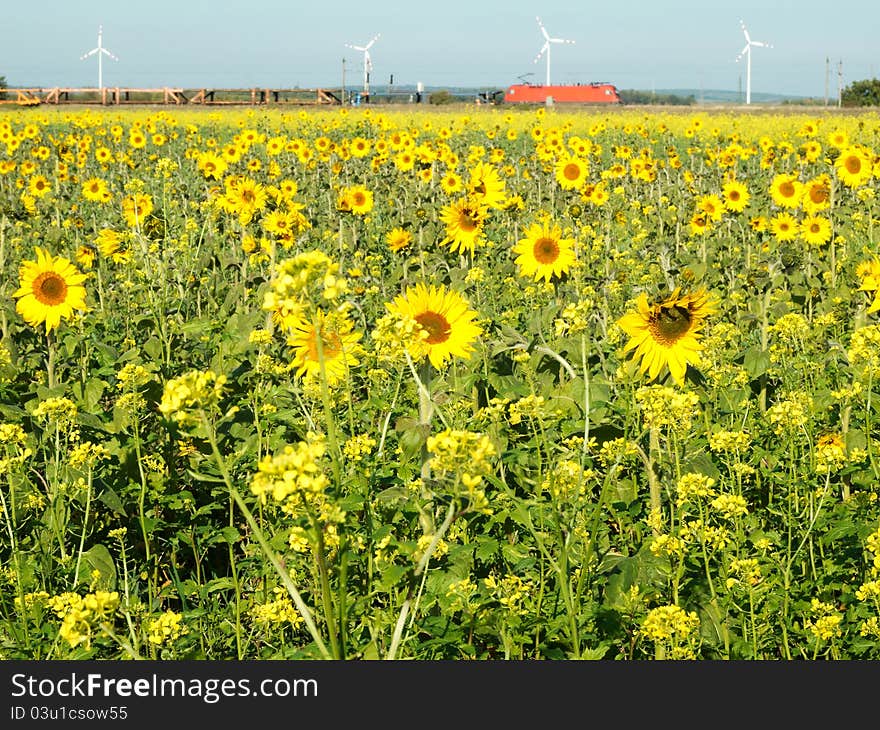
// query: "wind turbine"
[[546, 47], [368, 64], [747, 52], [101, 51]]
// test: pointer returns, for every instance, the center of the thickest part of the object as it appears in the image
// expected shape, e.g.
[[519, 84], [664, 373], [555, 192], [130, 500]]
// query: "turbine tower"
[[747, 52], [546, 47], [368, 63], [101, 51]]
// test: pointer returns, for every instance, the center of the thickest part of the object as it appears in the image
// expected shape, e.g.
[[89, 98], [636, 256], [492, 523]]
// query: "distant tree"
[[861, 93], [440, 97], [3, 85]]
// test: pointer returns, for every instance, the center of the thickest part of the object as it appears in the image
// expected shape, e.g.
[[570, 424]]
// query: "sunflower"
[[38, 186], [817, 194], [735, 195], [445, 315], [356, 199], [667, 333], [571, 173], [360, 147], [711, 206], [244, 197], [486, 186], [398, 239], [816, 230], [135, 208], [332, 341], [451, 182], [853, 167], [869, 273], [784, 226], [49, 289], [543, 252], [786, 190], [464, 224], [95, 189], [700, 224], [211, 165]]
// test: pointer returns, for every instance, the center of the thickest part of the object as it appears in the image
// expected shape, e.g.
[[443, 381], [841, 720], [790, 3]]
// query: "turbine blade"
[[745, 50], [90, 53], [541, 26], [559, 40], [373, 40], [107, 53], [545, 47]]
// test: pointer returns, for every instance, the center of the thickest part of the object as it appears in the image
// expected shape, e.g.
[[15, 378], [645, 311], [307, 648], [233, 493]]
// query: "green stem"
[[303, 609]]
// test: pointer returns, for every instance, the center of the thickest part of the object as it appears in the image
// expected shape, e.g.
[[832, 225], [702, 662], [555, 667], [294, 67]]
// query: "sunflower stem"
[[50, 360]]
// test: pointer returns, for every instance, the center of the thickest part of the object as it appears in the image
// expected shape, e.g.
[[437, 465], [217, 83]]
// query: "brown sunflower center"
[[437, 326], [50, 289], [819, 194], [733, 195], [670, 324], [248, 196], [331, 344], [546, 250], [359, 199], [853, 165], [571, 171], [466, 222], [787, 189], [815, 228]]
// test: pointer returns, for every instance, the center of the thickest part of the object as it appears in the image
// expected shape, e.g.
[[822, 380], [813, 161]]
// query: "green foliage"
[[632, 96], [441, 97], [861, 93]]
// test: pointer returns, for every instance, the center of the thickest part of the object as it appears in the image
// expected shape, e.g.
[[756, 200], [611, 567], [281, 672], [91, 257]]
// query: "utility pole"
[[343, 82], [839, 82], [827, 72]]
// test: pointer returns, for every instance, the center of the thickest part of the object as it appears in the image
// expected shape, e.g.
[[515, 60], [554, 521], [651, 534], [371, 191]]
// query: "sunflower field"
[[472, 383]]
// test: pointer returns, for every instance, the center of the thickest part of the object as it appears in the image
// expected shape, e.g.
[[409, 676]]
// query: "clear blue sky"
[[635, 44]]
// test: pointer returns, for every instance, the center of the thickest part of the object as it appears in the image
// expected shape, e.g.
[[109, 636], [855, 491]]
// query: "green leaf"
[[113, 501], [98, 558], [756, 361]]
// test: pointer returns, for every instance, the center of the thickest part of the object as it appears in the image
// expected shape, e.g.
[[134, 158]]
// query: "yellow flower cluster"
[[864, 351], [825, 624], [666, 407], [395, 334], [792, 329], [195, 390], [727, 441], [60, 411], [461, 592], [790, 415], [295, 476], [278, 611], [745, 571], [510, 591], [166, 629], [80, 615], [673, 629], [357, 447], [465, 458], [531, 406], [87, 454], [693, 487], [309, 278], [730, 506], [831, 454], [567, 480]]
